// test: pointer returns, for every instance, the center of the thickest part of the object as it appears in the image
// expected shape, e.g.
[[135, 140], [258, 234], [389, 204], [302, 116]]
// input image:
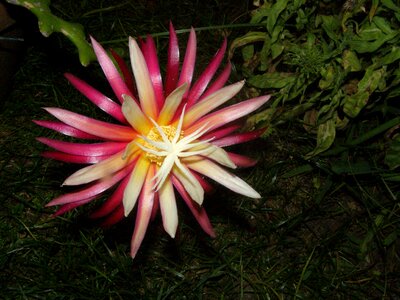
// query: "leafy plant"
[[327, 63]]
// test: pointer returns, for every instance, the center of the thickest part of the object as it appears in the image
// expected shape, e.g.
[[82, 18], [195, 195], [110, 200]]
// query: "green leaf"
[[325, 137], [372, 36], [272, 80], [249, 38], [274, 13], [328, 77], [331, 25], [350, 61], [371, 80], [354, 103]]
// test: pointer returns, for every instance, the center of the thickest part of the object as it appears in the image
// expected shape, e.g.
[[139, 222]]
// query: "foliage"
[[326, 62]]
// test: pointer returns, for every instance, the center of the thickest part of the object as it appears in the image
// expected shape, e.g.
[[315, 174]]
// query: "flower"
[[171, 136]]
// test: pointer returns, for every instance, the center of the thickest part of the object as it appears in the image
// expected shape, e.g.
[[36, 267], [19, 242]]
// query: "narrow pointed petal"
[[110, 71], [211, 102], [113, 218], [135, 184], [156, 206], [220, 156], [171, 105], [207, 187], [135, 116], [198, 211], [143, 81], [100, 100], [70, 206], [92, 190], [228, 114], [232, 182], [150, 55], [238, 138], [221, 132], [97, 149], [219, 82], [112, 202], [192, 186], [75, 159], [66, 129], [126, 73], [101, 129], [171, 81], [201, 84], [168, 208], [189, 60], [241, 160], [101, 170], [145, 207]]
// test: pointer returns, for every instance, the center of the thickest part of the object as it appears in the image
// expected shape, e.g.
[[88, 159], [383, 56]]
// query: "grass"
[[319, 232]]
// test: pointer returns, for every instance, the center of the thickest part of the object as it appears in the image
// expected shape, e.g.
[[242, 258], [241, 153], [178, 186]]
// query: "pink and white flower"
[[170, 137]]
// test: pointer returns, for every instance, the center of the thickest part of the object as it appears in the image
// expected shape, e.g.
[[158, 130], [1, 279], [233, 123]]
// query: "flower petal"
[[221, 132], [171, 78], [97, 149], [189, 60], [169, 211], [125, 71], [143, 81], [219, 82], [66, 129], [70, 206], [114, 217], [100, 100], [232, 182], [135, 184], [135, 116], [198, 211], [171, 104], [92, 190], [101, 129], [198, 88], [238, 138], [145, 207], [211, 102], [150, 55], [101, 170], [241, 160], [228, 114], [190, 183], [114, 78], [112, 202], [75, 159]]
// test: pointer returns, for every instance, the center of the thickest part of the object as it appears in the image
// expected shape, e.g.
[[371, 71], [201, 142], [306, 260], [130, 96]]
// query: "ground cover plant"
[[327, 225]]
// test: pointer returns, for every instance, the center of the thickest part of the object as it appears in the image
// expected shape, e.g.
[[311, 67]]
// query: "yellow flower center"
[[155, 136]]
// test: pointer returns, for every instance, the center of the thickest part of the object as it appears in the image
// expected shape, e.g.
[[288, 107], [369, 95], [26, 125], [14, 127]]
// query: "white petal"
[[190, 183], [135, 184], [171, 104], [168, 208], [215, 172]]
